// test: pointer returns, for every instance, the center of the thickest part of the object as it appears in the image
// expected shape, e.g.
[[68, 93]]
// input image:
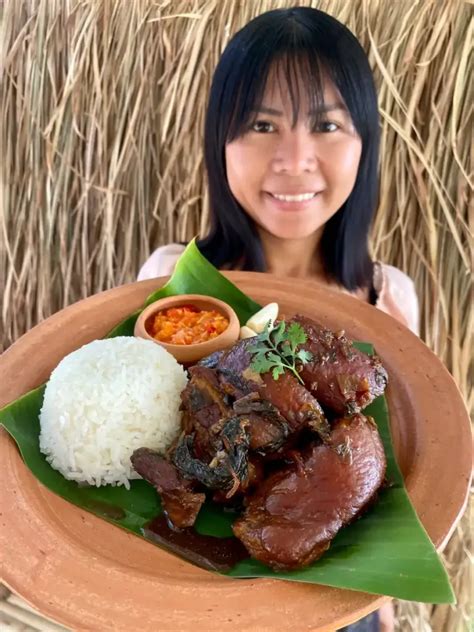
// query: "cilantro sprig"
[[276, 349]]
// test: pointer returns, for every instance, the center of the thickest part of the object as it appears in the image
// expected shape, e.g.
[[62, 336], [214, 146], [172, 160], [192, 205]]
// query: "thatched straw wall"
[[102, 118]]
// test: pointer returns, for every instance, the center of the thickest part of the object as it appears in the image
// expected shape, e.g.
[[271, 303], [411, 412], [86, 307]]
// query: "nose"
[[296, 153]]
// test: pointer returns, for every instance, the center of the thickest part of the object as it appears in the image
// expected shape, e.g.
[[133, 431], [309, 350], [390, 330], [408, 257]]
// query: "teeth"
[[294, 198]]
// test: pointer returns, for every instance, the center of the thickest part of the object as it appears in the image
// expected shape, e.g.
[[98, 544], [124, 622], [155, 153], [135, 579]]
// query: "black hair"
[[300, 42]]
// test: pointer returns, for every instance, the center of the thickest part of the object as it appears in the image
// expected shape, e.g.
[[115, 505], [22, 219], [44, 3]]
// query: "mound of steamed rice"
[[105, 400]]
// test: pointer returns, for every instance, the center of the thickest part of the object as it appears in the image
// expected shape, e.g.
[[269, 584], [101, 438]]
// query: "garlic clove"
[[246, 332], [259, 320]]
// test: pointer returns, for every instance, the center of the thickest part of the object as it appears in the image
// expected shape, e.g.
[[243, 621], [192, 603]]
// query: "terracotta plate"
[[90, 575]]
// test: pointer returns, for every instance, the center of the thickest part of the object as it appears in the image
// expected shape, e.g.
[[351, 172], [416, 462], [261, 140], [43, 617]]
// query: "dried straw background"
[[102, 116]]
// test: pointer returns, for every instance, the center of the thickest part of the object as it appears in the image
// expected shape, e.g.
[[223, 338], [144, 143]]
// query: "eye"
[[326, 127], [263, 127]]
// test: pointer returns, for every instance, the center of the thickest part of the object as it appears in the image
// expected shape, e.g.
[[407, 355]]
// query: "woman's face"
[[290, 179]]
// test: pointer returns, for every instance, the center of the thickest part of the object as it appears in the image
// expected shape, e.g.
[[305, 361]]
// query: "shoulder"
[[161, 262], [385, 274], [397, 295]]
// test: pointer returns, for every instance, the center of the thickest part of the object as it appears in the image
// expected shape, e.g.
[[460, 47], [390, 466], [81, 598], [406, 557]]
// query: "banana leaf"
[[386, 552], [194, 274]]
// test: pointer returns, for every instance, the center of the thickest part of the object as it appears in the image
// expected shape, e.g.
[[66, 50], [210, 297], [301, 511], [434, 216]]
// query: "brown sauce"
[[206, 551], [104, 509]]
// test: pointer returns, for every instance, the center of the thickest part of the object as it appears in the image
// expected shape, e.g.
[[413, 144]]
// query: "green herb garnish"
[[276, 349]]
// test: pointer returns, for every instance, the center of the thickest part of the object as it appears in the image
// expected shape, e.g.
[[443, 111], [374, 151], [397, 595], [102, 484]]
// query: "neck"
[[293, 257]]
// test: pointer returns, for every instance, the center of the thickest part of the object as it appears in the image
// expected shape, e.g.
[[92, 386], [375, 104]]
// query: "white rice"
[[105, 400]]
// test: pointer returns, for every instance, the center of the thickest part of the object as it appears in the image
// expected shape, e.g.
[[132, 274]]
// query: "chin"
[[291, 232]]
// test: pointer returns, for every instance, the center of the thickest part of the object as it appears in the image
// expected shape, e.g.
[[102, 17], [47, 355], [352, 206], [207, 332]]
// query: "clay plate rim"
[[84, 572]]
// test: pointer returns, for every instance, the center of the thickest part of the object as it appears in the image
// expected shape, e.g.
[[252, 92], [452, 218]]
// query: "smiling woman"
[[291, 148], [293, 110]]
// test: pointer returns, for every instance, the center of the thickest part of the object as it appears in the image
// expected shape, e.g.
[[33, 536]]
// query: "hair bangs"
[[294, 68]]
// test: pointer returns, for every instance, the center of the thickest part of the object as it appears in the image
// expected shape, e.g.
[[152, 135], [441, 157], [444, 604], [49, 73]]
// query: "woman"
[[291, 149]]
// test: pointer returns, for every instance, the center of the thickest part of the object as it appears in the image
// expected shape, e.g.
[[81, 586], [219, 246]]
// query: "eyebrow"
[[325, 108]]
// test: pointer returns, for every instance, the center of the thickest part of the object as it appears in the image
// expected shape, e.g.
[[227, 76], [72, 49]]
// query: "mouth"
[[295, 197], [292, 201]]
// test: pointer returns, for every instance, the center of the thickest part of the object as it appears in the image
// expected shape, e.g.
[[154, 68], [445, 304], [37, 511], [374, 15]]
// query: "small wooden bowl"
[[189, 354]]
